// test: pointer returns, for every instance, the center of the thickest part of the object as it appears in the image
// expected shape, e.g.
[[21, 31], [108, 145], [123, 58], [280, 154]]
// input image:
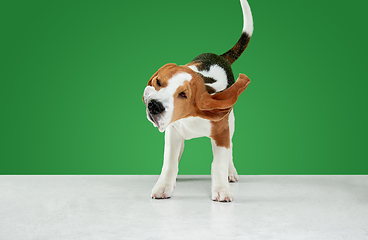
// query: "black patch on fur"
[[207, 60], [210, 89], [235, 52], [207, 79]]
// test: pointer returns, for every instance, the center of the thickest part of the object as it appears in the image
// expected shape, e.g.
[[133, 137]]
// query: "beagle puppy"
[[196, 100]]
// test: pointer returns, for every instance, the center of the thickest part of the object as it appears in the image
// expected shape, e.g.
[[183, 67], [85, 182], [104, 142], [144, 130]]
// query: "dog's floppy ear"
[[216, 106], [156, 73]]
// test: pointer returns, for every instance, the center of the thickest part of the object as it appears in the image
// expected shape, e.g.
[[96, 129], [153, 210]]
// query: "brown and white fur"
[[196, 100]]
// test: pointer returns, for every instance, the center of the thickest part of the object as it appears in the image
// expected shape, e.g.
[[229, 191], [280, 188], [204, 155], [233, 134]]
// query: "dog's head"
[[176, 92]]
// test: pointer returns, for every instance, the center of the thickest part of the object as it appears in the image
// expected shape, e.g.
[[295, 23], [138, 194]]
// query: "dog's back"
[[214, 69]]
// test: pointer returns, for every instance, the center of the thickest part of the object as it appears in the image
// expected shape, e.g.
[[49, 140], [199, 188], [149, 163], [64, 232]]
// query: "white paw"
[[233, 176], [224, 194], [162, 190]]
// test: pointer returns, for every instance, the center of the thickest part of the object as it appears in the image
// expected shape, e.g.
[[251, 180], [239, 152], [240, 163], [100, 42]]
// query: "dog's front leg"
[[174, 145], [221, 190]]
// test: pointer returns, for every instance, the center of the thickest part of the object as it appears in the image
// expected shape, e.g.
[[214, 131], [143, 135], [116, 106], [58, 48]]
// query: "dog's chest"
[[193, 127]]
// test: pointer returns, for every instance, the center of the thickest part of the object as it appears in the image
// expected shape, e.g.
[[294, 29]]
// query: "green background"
[[73, 73]]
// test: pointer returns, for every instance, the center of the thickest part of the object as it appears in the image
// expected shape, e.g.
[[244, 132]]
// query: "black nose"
[[155, 107]]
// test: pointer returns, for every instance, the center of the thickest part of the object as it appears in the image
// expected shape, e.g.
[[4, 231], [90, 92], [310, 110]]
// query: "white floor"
[[120, 207]]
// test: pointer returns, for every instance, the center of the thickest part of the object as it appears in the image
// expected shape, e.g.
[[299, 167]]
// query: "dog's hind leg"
[[174, 145], [221, 148], [221, 190], [233, 175]]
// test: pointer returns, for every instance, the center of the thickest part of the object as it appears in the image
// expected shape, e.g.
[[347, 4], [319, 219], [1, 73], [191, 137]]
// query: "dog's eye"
[[182, 94], [158, 83]]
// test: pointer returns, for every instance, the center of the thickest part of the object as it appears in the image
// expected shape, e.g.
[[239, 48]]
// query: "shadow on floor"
[[193, 179]]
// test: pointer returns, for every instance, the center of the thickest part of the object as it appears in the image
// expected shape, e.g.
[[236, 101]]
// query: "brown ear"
[[156, 73], [225, 100]]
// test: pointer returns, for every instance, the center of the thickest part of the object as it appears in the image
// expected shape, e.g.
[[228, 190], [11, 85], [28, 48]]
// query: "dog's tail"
[[235, 52]]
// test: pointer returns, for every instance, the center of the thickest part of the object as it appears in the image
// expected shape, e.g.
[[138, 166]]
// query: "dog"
[[196, 100]]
